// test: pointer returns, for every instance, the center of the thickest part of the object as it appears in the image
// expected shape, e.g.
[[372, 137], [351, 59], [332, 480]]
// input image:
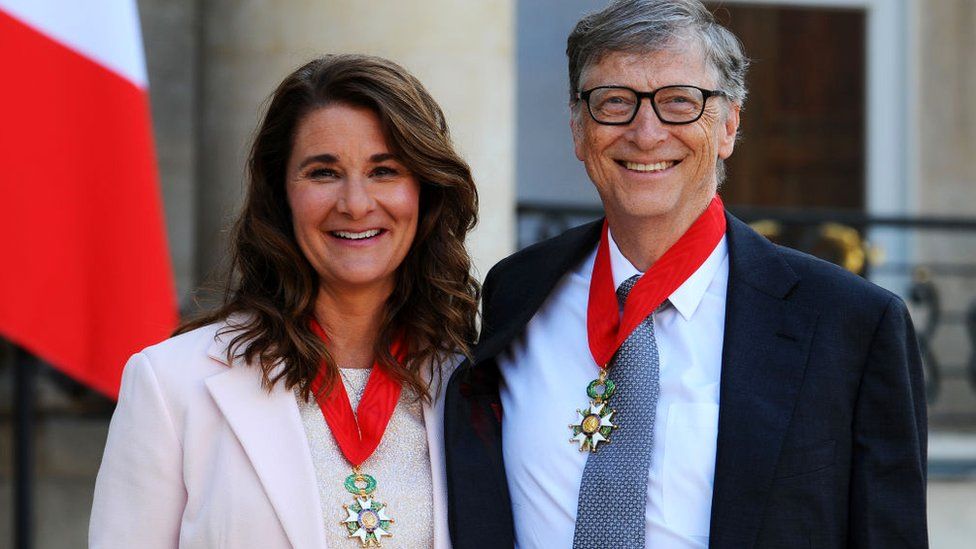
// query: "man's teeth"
[[357, 236], [649, 167]]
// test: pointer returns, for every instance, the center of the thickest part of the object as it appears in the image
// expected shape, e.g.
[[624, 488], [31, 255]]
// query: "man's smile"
[[653, 167]]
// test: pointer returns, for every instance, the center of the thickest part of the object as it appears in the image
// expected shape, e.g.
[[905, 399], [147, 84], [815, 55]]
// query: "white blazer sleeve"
[[139, 493]]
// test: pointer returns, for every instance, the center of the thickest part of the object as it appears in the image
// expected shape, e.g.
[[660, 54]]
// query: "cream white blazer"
[[199, 455]]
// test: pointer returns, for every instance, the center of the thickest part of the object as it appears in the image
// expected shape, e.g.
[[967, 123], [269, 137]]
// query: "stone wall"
[[944, 112]]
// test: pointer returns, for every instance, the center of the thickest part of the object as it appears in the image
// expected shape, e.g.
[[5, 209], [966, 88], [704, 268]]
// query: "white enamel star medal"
[[366, 518], [594, 424]]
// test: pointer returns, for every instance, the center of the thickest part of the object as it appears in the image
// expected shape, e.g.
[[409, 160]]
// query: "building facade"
[[864, 108]]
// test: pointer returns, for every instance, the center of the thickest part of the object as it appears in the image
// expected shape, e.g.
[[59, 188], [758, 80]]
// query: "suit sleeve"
[[139, 493], [890, 435]]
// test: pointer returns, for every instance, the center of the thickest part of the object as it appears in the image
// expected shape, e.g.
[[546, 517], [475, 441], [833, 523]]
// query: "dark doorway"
[[803, 127]]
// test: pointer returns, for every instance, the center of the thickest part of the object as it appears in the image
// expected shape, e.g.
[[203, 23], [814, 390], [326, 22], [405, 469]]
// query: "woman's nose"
[[355, 200]]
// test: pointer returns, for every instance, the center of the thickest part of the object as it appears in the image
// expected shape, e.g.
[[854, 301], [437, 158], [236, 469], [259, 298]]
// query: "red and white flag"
[[85, 276]]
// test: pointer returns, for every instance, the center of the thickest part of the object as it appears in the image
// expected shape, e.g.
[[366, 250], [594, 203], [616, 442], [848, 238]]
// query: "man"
[[732, 393]]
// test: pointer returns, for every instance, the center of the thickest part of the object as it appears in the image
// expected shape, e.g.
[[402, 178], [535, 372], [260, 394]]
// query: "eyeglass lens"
[[674, 104]]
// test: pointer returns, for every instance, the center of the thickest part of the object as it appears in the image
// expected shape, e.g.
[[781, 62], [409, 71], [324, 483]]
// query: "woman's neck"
[[351, 321]]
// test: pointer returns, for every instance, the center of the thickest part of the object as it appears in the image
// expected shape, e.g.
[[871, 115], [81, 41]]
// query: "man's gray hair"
[[645, 26]]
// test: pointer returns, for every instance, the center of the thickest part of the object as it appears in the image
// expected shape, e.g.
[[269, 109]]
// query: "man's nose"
[[355, 200], [646, 129]]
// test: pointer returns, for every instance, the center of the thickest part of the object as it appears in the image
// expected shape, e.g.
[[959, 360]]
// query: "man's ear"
[[577, 131], [730, 130]]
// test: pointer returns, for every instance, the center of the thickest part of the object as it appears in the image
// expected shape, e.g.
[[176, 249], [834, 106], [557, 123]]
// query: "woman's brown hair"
[[271, 287]]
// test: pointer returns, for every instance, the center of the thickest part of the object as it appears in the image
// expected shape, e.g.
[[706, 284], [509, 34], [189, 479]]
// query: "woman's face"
[[354, 204]]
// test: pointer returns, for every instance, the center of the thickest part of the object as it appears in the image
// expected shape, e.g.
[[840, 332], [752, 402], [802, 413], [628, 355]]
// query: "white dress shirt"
[[545, 374]]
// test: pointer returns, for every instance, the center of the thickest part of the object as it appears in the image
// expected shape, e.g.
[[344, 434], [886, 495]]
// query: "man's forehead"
[[627, 62]]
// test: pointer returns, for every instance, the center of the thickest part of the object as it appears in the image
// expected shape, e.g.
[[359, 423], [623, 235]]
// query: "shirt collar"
[[689, 295]]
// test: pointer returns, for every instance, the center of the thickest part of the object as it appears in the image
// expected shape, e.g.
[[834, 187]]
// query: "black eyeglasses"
[[618, 105]]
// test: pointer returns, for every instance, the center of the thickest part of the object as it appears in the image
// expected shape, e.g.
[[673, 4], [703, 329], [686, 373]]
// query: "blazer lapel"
[[434, 424], [269, 428], [472, 417], [767, 340]]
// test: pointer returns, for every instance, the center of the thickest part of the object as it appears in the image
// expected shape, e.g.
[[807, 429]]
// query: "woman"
[[350, 280]]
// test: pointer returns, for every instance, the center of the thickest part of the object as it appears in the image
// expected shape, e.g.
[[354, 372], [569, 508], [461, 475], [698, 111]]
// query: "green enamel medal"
[[366, 518], [594, 424]]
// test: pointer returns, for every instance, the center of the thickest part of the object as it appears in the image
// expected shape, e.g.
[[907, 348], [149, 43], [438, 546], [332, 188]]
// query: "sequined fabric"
[[400, 465]]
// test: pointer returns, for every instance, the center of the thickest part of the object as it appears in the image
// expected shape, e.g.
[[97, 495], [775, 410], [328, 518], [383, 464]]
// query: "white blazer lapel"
[[434, 423], [270, 429]]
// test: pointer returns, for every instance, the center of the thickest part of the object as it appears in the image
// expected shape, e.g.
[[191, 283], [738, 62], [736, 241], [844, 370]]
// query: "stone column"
[[170, 43], [946, 107], [462, 51], [945, 112]]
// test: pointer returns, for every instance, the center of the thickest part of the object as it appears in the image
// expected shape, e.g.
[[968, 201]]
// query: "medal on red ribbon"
[[357, 435], [605, 328]]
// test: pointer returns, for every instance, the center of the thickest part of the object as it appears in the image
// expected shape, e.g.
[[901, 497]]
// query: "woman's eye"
[[321, 173], [385, 171]]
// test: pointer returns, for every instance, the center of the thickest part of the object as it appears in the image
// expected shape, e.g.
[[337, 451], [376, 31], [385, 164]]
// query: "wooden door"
[[803, 126]]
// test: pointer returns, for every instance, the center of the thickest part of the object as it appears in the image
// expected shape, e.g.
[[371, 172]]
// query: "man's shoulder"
[[803, 279], [570, 245], [833, 286], [518, 285]]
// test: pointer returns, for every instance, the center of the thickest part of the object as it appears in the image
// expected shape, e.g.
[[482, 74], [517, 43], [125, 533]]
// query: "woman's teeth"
[[656, 167], [356, 236]]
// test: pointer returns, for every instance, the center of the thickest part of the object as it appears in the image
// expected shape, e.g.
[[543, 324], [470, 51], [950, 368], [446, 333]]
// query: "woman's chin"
[[359, 279]]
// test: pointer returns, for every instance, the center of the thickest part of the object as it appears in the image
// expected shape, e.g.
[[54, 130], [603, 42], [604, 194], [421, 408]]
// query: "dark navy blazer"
[[822, 419]]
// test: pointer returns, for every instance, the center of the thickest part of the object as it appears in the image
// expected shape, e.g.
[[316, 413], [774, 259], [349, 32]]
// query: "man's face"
[[647, 169]]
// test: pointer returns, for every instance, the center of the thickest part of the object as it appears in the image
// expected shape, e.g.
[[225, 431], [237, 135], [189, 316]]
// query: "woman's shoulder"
[[196, 342], [189, 357], [443, 364], [439, 371]]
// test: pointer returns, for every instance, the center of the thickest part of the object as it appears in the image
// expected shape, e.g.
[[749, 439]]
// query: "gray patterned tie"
[[613, 494]]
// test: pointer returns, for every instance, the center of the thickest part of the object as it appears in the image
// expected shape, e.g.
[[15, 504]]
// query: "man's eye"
[[617, 100]]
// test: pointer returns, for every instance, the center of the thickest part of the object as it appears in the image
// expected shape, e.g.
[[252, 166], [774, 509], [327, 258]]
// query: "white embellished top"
[[400, 465]]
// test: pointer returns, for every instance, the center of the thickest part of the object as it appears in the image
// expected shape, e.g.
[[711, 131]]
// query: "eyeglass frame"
[[585, 97]]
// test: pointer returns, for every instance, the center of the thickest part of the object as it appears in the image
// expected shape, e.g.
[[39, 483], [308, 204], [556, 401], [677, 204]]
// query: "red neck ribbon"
[[358, 434], [605, 329]]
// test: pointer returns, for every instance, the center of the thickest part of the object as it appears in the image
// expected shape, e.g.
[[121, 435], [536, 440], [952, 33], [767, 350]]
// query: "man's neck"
[[643, 241]]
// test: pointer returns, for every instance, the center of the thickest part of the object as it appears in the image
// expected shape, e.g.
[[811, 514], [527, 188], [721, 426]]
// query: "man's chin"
[[657, 210], [648, 209]]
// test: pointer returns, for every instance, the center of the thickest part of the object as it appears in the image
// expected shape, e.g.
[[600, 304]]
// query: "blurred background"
[[857, 145]]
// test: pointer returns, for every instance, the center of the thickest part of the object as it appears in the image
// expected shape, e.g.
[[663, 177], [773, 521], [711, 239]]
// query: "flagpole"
[[25, 372]]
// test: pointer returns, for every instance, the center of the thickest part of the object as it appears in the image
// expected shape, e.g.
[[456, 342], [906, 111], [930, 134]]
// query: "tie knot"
[[625, 287]]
